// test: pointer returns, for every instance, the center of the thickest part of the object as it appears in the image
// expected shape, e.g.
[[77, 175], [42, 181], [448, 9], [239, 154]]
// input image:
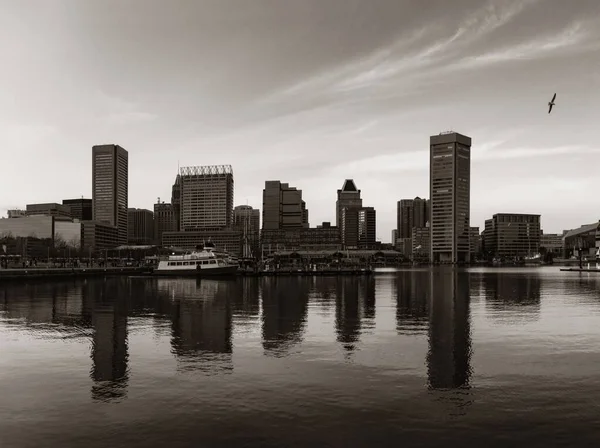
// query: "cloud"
[[130, 117], [569, 37], [486, 152]]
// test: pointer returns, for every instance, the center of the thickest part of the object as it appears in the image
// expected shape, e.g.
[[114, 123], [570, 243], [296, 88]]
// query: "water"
[[501, 357]]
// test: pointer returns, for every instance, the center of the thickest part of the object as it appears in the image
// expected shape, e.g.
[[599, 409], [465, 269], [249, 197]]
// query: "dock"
[[62, 273], [580, 269]]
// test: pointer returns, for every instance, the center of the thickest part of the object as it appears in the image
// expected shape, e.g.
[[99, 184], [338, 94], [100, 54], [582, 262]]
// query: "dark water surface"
[[416, 358]]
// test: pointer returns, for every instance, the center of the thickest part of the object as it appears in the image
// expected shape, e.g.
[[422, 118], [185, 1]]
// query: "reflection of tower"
[[369, 298], [109, 345], [449, 357], [285, 304], [201, 329], [347, 307], [411, 301], [245, 297]]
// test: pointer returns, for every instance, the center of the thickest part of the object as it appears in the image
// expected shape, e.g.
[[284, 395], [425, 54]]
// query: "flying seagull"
[[551, 103]]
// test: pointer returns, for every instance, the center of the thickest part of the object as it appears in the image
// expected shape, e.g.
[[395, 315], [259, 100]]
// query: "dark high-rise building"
[[359, 227], [81, 209], [411, 213], [283, 207], [206, 197], [141, 226], [164, 221], [450, 191], [110, 165], [348, 196], [176, 202], [367, 228]]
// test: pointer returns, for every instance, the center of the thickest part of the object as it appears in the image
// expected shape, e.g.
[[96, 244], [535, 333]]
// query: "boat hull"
[[211, 272]]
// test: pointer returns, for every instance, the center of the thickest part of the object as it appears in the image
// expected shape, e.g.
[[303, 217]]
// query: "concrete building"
[[394, 237], [164, 221], [98, 236], [509, 235], [348, 196], [49, 209], [283, 207], [16, 213], [141, 226], [110, 187], [585, 239], [450, 191], [206, 197], [81, 209], [247, 220], [324, 237]]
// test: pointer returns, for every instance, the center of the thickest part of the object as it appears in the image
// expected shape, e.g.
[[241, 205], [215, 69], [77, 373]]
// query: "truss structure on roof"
[[209, 170]]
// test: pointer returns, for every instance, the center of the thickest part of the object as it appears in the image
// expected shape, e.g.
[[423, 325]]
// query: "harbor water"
[[420, 357]]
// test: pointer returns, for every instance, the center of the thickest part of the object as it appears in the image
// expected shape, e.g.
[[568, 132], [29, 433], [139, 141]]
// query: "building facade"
[[81, 209], [367, 228], [475, 242], [421, 240], [283, 207], [98, 236], [141, 226], [347, 197], [206, 197], [110, 187], [247, 220], [552, 243], [450, 191], [321, 238], [49, 209], [509, 235], [229, 240], [164, 221]]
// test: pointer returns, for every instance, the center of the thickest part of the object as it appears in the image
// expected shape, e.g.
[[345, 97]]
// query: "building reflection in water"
[[285, 308], [245, 300], [109, 355], [412, 309], [202, 324], [512, 298], [449, 356], [347, 309]]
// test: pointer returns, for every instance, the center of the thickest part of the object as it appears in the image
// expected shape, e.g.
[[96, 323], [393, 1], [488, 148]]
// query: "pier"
[[61, 273]]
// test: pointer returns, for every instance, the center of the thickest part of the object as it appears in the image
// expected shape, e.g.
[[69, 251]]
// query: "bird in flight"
[[551, 103]]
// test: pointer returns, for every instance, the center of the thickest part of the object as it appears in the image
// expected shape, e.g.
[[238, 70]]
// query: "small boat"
[[203, 262]]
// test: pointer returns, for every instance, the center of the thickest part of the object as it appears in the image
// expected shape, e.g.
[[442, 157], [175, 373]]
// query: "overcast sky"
[[309, 92]]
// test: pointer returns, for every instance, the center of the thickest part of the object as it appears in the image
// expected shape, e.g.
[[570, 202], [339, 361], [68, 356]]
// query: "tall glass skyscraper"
[[450, 193], [110, 184]]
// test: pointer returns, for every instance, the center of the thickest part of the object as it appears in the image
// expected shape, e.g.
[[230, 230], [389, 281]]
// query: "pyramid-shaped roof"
[[349, 186]]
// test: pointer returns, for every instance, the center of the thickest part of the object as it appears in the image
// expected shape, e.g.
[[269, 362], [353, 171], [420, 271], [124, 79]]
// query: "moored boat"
[[202, 262]]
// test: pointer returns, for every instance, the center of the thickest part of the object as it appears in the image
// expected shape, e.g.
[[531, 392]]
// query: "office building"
[[367, 228], [164, 221], [283, 207], [475, 242], [110, 184], [49, 209], [81, 209], [141, 226], [449, 190], [411, 213], [509, 235], [348, 196], [206, 197], [552, 243], [421, 239]]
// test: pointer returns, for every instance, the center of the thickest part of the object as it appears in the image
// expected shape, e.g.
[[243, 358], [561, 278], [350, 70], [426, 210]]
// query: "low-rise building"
[[552, 243], [421, 244], [512, 235], [50, 209], [228, 240]]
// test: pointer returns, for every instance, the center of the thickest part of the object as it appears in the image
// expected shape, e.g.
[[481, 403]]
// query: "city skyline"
[[310, 94]]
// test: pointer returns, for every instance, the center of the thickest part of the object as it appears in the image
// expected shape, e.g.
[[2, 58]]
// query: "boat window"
[[204, 262], [170, 263], [179, 263], [213, 261]]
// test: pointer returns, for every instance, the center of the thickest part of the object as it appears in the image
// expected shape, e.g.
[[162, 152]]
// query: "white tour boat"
[[202, 262]]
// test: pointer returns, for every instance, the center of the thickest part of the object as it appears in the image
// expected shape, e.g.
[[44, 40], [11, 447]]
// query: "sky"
[[309, 92]]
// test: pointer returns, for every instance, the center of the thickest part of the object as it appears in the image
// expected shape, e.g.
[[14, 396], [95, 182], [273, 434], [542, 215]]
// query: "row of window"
[[191, 263]]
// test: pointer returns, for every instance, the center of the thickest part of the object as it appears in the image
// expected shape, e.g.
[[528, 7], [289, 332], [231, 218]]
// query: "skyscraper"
[[348, 196], [110, 166], [206, 197], [411, 213], [450, 191]]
